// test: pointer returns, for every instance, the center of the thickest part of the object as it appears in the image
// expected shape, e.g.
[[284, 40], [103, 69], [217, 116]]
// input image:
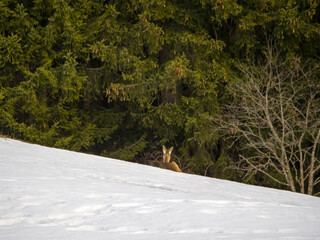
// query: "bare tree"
[[275, 119]]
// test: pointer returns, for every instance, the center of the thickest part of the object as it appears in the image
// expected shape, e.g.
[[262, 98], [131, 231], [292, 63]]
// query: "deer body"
[[166, 164]]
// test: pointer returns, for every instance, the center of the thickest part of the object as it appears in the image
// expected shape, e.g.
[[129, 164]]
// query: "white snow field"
[[48, 193]]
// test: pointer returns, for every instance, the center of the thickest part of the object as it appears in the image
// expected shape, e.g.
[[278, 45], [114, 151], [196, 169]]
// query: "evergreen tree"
[[121, 78]]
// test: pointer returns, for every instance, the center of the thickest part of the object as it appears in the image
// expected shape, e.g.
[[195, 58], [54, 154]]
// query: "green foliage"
[[120, 77], [130, 149]]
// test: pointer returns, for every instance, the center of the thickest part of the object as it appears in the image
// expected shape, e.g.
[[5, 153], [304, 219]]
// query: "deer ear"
[[164, 149], [170, 150]]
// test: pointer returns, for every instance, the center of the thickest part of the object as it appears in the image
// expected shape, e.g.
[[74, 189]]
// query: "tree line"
[[231, 84]]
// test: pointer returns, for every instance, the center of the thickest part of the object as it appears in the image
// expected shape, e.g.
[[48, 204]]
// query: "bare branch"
[[273, 120]]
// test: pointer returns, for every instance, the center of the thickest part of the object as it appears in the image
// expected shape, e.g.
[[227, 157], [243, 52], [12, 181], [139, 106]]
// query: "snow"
[[48, 193]]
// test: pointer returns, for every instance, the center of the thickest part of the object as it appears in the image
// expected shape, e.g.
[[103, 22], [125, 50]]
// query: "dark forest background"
[[122, 78]]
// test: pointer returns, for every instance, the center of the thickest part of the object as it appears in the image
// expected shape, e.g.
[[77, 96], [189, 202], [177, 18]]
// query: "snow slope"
[[47, 193]]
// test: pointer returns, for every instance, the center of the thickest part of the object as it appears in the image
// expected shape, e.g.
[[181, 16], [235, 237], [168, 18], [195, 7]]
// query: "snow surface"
[[48, 193]]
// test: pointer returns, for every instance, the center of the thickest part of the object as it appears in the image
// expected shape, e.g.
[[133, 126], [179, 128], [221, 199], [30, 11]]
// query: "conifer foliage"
[[121, 78]]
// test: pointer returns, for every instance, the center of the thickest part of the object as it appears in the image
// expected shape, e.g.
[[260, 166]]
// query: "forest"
[[232, 85]]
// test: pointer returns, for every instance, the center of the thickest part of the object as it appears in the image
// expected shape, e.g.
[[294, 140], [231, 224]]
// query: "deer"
[[166, 164]]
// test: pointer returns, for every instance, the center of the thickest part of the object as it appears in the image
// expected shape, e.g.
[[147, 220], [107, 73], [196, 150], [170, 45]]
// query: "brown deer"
[[166, 164]]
